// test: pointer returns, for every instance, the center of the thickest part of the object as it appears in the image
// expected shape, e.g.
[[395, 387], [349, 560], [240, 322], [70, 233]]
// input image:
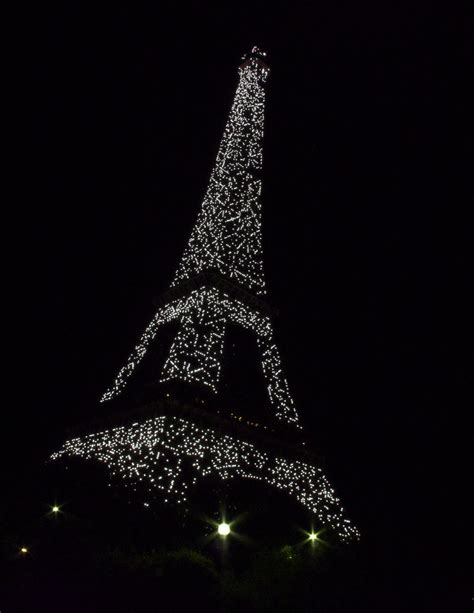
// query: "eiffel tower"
[[178, 430]]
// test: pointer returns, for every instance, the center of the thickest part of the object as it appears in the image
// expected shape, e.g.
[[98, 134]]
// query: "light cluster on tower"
[[227, 236], [197, 350], [152, 455]]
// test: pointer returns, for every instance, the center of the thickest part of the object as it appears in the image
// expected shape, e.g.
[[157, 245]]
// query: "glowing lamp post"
[[223, 529]]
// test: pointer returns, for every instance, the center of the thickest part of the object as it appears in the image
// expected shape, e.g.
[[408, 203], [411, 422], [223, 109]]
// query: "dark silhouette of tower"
[[189, 390]]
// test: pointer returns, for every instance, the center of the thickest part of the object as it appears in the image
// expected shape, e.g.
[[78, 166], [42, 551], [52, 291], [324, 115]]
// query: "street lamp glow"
[[223, 529], [24, 550], [55, 509], [313, 536]]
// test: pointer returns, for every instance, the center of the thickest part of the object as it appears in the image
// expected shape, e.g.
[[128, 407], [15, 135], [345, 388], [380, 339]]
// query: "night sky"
[[364, 148]]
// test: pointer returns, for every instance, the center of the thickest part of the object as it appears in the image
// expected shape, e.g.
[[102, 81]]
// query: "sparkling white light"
[[154, 453], [226, 239], [196, 356], [227, 235]]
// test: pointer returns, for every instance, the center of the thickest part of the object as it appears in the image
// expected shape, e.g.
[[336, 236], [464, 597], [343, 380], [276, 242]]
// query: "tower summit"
[[227, 235], [218, 285]]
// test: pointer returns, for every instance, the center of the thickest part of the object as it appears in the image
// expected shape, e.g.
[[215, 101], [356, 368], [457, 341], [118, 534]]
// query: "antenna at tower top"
[[256, 54]]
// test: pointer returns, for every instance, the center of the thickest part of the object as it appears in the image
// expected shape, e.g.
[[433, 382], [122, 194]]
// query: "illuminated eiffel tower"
[[219, 285]]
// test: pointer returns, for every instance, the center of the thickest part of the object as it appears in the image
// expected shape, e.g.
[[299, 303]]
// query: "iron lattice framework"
[[227, 238], [219, 281]]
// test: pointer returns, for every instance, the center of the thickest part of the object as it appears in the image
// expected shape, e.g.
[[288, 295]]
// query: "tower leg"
[[196, 352]]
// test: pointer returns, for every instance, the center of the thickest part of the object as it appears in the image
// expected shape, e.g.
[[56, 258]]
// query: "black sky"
[[365, 139]]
